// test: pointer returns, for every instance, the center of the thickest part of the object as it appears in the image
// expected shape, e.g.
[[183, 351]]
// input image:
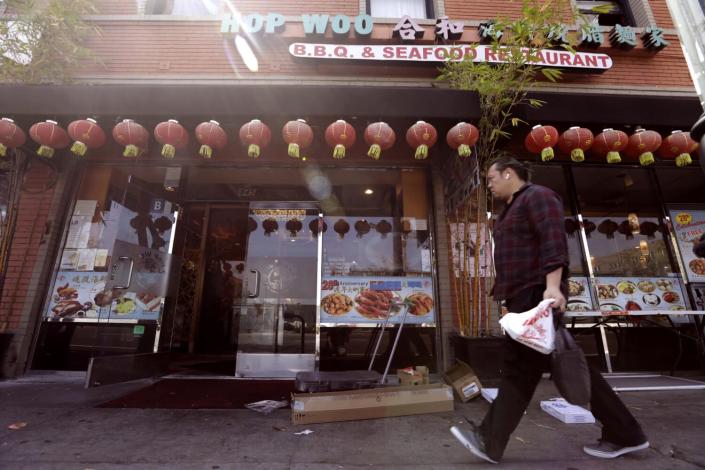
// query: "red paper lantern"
[[379, 136], [576, 141], [541, 140], [132, 136], [50, 136], [298, 135], [340, 135], [211, 136], [642, 144], [172, 136], [610, 142], [421, 136], [678, 146], [256, 135], [87, 134], [11, 136], [462, 137]]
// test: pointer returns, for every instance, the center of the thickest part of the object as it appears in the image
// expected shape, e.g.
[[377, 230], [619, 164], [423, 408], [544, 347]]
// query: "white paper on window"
[[398, 8]]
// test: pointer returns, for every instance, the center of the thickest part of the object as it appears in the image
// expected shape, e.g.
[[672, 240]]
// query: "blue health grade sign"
[[347, 299]]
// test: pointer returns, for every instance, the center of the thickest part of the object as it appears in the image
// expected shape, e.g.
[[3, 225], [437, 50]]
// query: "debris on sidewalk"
[[305, 432], [17, 426], [266, 406], [489, 394], [366, 404], [564, 411], [279, 428], [463, 380], [413, 375]]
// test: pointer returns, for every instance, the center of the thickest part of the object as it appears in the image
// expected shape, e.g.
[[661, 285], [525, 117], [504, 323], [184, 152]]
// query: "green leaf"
[[517, 121], [603, 9], [534, 103]]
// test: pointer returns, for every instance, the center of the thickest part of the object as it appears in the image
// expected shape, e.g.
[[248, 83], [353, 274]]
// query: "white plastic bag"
[[533, 328]]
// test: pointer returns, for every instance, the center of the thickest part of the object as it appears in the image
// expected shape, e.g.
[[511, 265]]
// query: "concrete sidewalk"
[[66, 431]]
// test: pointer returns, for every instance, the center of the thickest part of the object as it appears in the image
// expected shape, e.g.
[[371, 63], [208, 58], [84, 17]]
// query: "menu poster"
[[579, 299], [86, 259], [640, 293], [373, 299], [76, 295], [79, 231], [689, 225], [69, 260]]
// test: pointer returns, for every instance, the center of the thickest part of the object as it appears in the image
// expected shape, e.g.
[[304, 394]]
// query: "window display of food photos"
[[689, 226], [373, 300], [640, 293], [579, 299]]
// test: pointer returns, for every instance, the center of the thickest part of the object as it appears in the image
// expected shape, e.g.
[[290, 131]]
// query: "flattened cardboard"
[[367, 404], [464, 381]]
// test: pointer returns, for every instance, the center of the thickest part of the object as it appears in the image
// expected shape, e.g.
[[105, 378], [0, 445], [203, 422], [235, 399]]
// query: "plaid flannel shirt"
[[530, 241]]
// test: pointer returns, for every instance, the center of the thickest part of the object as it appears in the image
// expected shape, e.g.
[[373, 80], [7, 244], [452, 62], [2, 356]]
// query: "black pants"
[[521, 373]]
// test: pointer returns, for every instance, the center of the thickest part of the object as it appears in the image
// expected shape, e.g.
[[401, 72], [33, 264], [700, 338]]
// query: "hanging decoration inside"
[[610, 142], [211, 136], [341, 227], [648, 229], [379, 136], [362, 227], [589, 227], [11, 136], [384, 228], [641, 145], [462, 137], [625, 229], [87, 134], [256, 135], [340, 135], [678, 146], [542, 139], [132, 136], [575, 142], [172, 136], [270, 226], [571, 226], [608, 227], [50, 136], [314, 227], [298, 135], [293, 226], [421, 136]]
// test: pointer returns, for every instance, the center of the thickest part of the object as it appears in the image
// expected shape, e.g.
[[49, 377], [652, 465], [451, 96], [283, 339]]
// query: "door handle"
[[257, 280], [129, 275]]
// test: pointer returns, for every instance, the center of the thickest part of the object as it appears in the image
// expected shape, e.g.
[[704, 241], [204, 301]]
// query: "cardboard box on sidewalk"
[[374, 403], [413, 375], [564, 411], [464, 381]]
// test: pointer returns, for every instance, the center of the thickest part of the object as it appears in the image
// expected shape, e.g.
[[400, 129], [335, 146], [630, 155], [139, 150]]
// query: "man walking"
[[531, 261]]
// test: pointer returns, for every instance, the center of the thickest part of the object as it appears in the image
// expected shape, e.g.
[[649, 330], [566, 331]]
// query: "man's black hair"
[[507, 160]]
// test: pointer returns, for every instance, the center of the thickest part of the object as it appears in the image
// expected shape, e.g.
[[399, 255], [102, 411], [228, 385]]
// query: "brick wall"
[[27, 259]]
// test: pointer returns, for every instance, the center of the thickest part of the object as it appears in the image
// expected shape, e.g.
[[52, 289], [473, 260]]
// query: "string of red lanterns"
[[610, 144]]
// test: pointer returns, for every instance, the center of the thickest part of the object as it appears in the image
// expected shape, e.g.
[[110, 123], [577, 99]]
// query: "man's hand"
[[556, 294]]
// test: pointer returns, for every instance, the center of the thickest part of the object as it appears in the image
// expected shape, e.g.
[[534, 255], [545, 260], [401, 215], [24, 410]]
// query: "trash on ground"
[[464, 381], [279, 428], [305, 432], [266, 406], [16, 426], [564, 411], [413, 375], [489, 394]]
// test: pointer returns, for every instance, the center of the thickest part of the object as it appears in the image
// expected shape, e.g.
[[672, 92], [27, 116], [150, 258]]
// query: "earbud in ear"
[[506, 177]]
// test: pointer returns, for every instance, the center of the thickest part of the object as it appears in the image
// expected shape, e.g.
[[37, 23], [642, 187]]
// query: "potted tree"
[[503, 87]]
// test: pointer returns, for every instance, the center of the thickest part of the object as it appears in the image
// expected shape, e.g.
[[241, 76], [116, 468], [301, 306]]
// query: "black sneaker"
[[471, 440], [609, 450]]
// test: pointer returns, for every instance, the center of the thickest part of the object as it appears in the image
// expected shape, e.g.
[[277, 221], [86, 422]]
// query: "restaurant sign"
[[443, 53]]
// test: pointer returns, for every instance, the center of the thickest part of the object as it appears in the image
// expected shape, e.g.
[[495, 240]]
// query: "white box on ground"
[[564, 411], [489, 394]]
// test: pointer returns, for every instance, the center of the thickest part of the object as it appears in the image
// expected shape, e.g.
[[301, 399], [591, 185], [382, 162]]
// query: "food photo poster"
[[689, 226], [374, 299]]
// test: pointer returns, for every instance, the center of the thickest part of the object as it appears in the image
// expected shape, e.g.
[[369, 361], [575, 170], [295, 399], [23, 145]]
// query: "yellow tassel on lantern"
[[613, 157], [131, 151], [293, 150], [646, 159], [79, 149], [464, 150], [253, 151], [421, 152], [577, 155], [3, 150], [339, 151], [45, 151], [375, 151], [168, 151], [547, 154], [683, 160], [205, 151]]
